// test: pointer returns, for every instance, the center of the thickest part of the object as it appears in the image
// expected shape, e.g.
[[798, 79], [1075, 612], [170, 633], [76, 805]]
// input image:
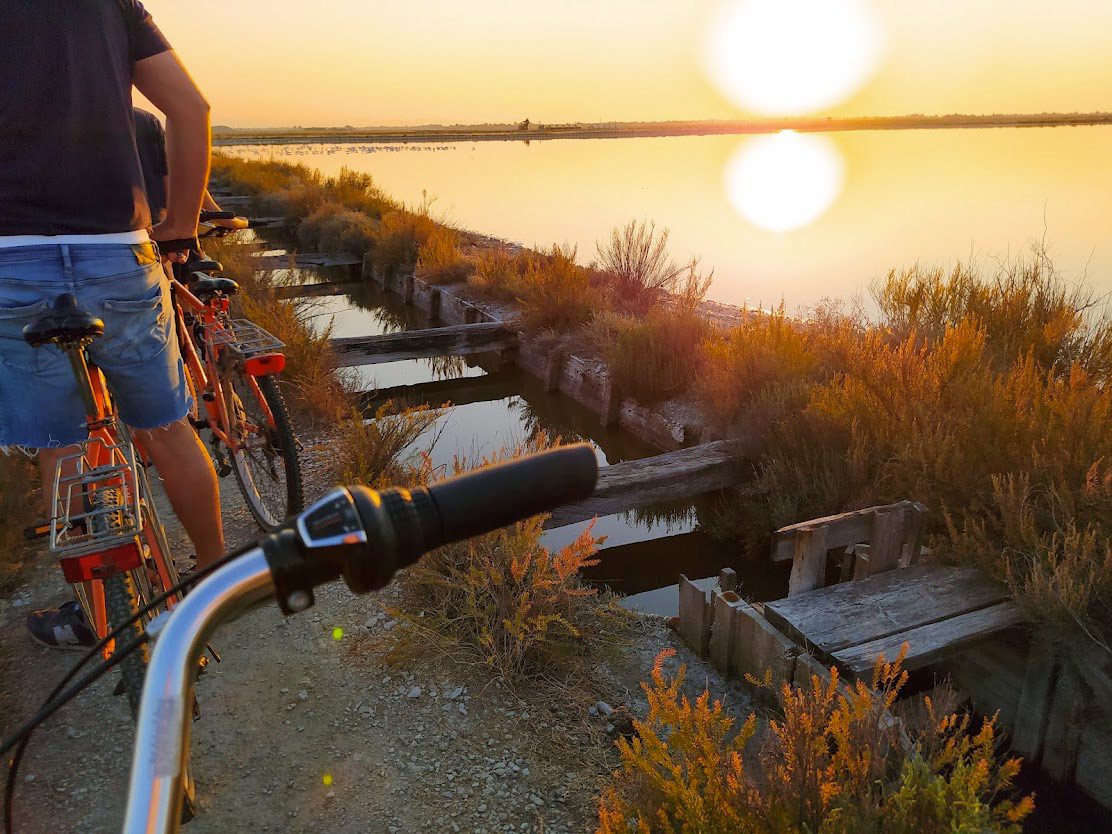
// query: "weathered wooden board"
[[809, 563], [471, 389], [324, 288], [457, 340], [885, 544], [758, 647], [681, 474], [841, 530], [933, 641], [1094, 763], [1062, 743], [307, 259], [1034, 700], [695, 616], [835, 618], [723, 631]]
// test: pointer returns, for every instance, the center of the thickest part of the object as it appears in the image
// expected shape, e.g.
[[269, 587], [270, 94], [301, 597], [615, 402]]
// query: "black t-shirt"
[[68, 161], [150, 141]]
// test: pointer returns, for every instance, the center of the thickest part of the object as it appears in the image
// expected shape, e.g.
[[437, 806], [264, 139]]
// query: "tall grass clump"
[[555, 292], [398, 240], [439, 259], [655, 356], [637, 266], [381, 451], [333, 228], [829, 762], [498, 274], [506, 603]]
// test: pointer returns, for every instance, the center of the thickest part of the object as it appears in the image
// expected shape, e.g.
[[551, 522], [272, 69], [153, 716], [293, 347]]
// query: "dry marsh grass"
[[827, 762], [555, 292], [440, 260], [498, 274], [17, 511]]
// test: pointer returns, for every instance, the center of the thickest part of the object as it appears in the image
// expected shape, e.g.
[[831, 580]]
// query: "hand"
[[175, 241]]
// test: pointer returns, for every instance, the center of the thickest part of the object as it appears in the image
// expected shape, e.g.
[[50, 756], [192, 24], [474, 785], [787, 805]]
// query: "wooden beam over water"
[[458, 340], [324, 288], [462, 391], [685, 473], [304, 260]]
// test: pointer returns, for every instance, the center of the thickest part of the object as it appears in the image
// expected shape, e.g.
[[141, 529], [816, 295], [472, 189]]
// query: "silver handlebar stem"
[[165, 713]]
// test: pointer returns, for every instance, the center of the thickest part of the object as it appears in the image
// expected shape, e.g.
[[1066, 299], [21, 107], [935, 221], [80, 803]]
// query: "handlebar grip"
[[216, 215], [484, 500], [400, 524]]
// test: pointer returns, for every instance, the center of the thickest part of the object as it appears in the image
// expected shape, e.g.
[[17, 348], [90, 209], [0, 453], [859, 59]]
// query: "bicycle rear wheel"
[[266, 465]]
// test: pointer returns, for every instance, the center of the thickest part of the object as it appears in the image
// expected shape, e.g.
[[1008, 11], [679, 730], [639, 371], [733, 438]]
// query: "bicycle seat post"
[[71, 329], [75, 352]]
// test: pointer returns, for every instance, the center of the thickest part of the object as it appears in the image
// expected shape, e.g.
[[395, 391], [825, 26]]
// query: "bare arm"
[[164, 80]]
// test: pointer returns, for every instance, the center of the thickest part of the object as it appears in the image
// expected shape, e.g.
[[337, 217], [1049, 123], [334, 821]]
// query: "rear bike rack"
[[244, 338]]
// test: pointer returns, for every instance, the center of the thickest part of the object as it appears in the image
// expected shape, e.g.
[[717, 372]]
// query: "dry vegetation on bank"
[[983, 392]]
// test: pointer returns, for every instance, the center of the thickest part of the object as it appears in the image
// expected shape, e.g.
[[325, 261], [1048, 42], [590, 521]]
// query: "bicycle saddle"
[[201, 285], [205, 265], [63, 322]]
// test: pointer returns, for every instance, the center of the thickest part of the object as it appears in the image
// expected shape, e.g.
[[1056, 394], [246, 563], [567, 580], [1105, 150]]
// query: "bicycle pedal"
[[199, 423], [36, 531], [224, 469]]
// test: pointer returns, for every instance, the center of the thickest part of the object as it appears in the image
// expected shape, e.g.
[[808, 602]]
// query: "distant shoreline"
[[642, 130]]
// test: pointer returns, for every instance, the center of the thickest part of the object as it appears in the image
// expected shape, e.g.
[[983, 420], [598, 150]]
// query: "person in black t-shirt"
[[74, 218]]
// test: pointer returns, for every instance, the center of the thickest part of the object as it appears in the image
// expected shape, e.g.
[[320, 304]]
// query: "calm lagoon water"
[[789, 216]]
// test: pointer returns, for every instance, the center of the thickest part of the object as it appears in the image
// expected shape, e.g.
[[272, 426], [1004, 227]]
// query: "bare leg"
[[190, 481], [48, 464]]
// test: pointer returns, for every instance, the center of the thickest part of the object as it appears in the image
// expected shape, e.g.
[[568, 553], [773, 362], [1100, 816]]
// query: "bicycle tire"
[[122, 602], [279, 503]]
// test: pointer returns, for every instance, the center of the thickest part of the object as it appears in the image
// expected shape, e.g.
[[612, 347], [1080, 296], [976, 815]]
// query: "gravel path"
[[303, 732]]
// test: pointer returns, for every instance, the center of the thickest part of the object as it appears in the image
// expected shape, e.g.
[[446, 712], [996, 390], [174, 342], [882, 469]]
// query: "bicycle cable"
[[23, 735]]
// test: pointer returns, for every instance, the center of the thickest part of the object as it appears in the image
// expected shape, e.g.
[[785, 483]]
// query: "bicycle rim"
[[266, 465]]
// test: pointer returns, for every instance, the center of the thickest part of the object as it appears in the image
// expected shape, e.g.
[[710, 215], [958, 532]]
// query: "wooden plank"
[[915, 524], [1093, 773], [1062, 742], [611, 403], [843, 529], [324, 288], [553, 367], [303, 260], [457, 340], [759, 647], [695, 616], [809, 565], [471, 389], [722, 631], [885, 544], [1034, 700], [931, 642], [727, 580], [684, 473], [851, 613]]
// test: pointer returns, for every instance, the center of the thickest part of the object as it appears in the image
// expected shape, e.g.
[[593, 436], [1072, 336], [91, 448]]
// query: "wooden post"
[[611, 404], [885, 544], [369, 273], [1034, 700], [407, 288], [695, 616], [727, 580], [434, 303], [553, 367], [723, 631], [470, 314], [809, 563], [1062, 740], [915, 523], [758, 646]]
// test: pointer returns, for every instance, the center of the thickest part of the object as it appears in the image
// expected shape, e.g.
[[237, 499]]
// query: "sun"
[[782, 57], [785, 180]]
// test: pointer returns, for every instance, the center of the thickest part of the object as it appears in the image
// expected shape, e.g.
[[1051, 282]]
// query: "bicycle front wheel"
[[266, 464]]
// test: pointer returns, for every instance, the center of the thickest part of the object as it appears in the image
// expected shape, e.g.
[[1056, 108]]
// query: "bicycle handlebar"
[[206, 216], [361, 534]]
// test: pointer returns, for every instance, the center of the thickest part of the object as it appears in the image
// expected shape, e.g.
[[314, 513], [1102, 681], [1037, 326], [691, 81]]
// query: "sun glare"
[[785, 180], [783, 57]]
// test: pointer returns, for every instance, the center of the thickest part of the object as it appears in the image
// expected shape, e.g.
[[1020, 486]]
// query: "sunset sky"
[[338, 62]]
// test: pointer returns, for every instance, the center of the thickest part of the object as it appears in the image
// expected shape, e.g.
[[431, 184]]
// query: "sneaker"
[[63, 627]]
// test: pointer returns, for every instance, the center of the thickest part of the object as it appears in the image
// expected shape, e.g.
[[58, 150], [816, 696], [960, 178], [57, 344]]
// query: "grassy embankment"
[[982, 393]]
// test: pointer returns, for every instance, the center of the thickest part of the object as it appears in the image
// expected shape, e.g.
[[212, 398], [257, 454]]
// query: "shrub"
[[374, 452], [1025, 308], [831, 763], [654, 357], [440, 260], [399, 238], [499, 273], [332, 228], [636, 263], [555, 292], [505, 602]]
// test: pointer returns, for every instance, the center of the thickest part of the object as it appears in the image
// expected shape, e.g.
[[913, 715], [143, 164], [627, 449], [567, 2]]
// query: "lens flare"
[[783, 57], [785, 180]]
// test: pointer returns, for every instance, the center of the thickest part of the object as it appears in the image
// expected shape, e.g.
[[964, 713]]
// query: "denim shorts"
[[125, 286]]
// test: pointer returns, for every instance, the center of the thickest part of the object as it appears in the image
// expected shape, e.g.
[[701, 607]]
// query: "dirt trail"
[[424, 748]]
